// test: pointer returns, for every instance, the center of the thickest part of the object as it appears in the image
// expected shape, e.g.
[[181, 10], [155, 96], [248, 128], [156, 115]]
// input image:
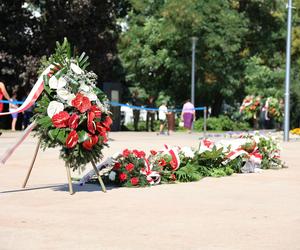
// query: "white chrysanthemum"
[[112, 175], [55, 83], [76, 69], [54, 107], [188, 152]]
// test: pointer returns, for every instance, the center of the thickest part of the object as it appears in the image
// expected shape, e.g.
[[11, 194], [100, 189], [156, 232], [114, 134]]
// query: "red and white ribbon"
[[12, 149], [33, 95]]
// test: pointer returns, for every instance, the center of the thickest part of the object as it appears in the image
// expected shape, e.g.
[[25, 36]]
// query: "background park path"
[[253, 211]]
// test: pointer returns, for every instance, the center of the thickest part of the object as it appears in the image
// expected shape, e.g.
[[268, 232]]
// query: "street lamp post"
[[287, 74], [194, 40]]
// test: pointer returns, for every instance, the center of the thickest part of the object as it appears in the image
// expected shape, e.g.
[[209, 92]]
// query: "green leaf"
[[83, 136], [53, 133], [45, 121], [62, 136]]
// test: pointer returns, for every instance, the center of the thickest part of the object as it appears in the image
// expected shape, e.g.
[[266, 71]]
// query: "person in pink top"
[[188, 115]]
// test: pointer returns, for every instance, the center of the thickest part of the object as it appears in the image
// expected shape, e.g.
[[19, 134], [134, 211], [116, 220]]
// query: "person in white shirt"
[[162, 116]]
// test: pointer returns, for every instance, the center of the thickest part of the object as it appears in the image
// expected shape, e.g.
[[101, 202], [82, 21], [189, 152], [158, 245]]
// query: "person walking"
[[150, 114], [162, 116], [3, 93], [12, 107], [136, 112], [188, 115]]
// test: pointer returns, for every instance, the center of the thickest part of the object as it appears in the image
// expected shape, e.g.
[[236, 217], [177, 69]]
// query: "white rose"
[[54, 107], [76, 69], [55, 83], [112, 175]]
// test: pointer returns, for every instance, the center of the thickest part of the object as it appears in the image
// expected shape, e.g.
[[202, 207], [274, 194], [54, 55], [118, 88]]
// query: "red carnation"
[[96, 110], [142, 154], [129, 167], [60, 120], [104, 137], [72, 139], [122, 177], [117, 165], [162, 162], [107, 123], [81, 102], [91, 125], [73, 121], [126, 152], [89, 143], [153, 152], [134, 181]]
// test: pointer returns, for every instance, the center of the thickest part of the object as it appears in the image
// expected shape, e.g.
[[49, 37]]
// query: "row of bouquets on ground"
[[133, 167]]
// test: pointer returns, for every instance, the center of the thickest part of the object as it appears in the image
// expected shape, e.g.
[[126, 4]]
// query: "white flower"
[[188, 152], [76, 69], [84, 87], [54, 107], [55, 83], [70, 98], [63, 93], [92, 96], [112, 175]]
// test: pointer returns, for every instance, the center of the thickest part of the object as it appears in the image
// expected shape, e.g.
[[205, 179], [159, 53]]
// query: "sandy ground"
[[253, 211]]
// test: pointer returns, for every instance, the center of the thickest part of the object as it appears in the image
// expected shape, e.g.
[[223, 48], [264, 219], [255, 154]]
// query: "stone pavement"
[[253, 211]]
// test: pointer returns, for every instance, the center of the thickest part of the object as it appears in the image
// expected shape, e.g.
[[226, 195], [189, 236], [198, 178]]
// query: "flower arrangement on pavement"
[[248, 154], [72, 112]]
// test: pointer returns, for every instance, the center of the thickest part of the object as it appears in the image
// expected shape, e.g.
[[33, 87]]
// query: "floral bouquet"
[[250, 107], [72, 112], [166, 163], [275, 109], [129, 169]]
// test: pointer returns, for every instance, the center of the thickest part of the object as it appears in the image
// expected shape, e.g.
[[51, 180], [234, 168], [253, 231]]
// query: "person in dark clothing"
[[136, 112], [150, 114]]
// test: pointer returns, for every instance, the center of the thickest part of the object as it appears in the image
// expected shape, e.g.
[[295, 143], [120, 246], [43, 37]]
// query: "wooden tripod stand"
[[68, 172]]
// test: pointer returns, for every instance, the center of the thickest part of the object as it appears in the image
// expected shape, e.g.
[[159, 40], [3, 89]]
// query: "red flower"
[[60, 120], [173, 165], [81, 102], [117, 165], [73, 121], [173, 177], [91, 125], [129, 167], [139, 154], [96, 110], [89, 143], [162, 162], [72, 139], [122, 177], [100, 128], [126, 152], [134, 181], [107, 123], [104, 137], [153, 152]]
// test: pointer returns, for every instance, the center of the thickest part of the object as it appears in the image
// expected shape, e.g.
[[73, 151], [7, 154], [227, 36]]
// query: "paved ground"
[[254, 211]]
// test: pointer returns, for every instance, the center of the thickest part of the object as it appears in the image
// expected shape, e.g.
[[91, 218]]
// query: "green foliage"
[[188, 173], [221, 123]]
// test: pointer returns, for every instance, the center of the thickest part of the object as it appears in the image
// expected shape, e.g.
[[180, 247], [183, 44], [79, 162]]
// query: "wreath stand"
[[68, 172]]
